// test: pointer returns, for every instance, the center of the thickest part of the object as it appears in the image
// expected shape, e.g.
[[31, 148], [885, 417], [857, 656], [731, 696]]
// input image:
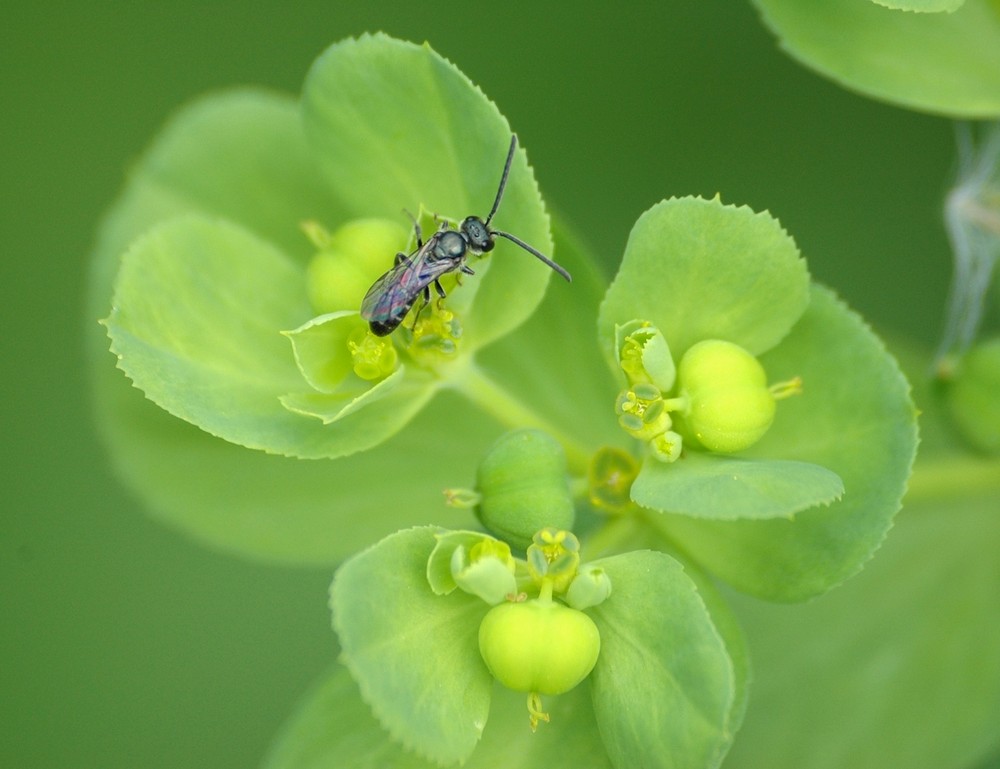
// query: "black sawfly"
[[392, 295]]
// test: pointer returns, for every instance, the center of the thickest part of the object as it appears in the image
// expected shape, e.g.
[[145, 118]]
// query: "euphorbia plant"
[[727, 420]]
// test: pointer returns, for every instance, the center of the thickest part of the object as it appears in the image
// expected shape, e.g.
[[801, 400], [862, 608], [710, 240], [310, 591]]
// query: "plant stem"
[[510, 411], [953, 477]]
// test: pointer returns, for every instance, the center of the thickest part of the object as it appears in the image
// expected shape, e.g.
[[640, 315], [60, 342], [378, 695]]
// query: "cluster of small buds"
[[643, 409], [553, 557], [723, 402], [535, 639], [436, 334], [372, 357]]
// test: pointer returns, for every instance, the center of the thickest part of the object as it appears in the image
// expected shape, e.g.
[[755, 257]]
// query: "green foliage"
[[222, 278], [211, 357], [358, 94], [869, 441], [948, 63], [665, 690], [210, 276], [904, 652], [414, 653], [358, 741], [730, 488], [697, 269]]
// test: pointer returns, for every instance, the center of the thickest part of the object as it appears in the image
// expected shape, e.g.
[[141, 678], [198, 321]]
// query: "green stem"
[[952, 477], [619, 533], [479, 388]]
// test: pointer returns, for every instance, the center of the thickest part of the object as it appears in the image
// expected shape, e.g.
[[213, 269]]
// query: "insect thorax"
[[449, 245]]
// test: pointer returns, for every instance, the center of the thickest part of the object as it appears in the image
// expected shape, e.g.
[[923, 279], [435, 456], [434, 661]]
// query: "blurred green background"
[[123, 644]]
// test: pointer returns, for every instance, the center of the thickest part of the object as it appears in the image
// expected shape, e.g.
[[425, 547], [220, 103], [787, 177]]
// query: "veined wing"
[[392, 295]]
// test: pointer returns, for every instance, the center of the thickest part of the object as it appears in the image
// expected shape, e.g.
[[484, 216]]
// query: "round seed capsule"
[[539, 645], [523, 487], [730, 406], [339, 276]]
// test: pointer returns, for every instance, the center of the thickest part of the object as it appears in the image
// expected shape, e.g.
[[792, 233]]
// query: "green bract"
[[416, 648], [231, 236], [332, 728], [230, 276], [940, 62], [375, 595], [697, 270], [200, 301]]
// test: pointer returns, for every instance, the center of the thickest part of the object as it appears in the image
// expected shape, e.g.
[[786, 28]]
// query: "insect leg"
[[416, 228], [446, 222], [426, 296]]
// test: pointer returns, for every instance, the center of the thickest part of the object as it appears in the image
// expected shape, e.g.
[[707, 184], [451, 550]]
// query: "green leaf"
[[630, 533], [899, 666], [239, 155], [728, 624], [395, 126], [698, 269], [664, 685], [215, 360], [333, 729], [947, 63], [728, 488], [414, 654], [855, 418]]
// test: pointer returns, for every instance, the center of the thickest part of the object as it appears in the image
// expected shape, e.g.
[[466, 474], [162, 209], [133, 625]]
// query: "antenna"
[[514, 238], [531, 250], [503, 179]]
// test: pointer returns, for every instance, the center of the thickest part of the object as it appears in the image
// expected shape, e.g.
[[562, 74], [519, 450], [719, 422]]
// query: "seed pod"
[[539, 645], [339, 275], [730, 406], [523, 487]]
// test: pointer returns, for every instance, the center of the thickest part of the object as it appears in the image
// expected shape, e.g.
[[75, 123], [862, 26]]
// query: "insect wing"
[[392, 295], [389, 294]]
